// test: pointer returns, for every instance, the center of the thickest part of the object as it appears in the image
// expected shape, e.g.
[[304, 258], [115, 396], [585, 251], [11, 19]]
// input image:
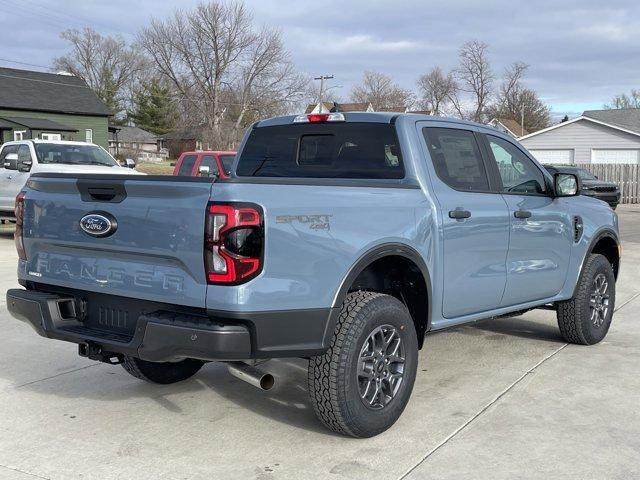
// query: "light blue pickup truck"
[[342, 238]]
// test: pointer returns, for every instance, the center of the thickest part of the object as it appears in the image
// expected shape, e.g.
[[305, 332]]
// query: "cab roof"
[[377, 117]]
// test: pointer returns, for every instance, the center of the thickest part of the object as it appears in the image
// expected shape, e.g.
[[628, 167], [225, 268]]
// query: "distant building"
[[343, 107], [184, 140], [124, 139], [509, 126], [596, 136], [50, 107], [358, 107]]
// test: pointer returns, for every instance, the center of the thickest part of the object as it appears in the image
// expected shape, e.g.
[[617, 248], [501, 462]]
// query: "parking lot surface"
[[504, 398]]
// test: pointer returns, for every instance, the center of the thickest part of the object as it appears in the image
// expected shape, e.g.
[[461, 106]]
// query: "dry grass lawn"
[[164, 168]]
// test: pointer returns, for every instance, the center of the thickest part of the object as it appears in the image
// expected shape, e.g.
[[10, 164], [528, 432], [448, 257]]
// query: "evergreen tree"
[[153, 109]]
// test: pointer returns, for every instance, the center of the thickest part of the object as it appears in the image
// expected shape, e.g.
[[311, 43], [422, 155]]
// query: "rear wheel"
[[163, 373], [361, 385], [585, 319]]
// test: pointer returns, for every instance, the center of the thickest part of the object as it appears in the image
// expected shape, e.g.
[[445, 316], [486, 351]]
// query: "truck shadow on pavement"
[[287, 402], [522, 327], [213, 395], [217, 393]]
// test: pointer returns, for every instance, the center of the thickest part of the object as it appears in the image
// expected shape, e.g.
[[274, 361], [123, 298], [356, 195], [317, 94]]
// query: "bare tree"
[[437, 91], [631, 100], [516, 102], [382, 92], [107, 64], [221, 65], [475, 78]]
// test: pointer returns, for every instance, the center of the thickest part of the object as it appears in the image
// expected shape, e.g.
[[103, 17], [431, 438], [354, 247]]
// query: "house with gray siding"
[[597, 136]]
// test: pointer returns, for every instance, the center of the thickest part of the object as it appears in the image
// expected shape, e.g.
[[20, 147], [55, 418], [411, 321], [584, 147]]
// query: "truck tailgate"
[[154, 250]]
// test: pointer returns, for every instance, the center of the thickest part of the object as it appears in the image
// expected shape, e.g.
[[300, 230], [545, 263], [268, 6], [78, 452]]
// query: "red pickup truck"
[[205, 164]]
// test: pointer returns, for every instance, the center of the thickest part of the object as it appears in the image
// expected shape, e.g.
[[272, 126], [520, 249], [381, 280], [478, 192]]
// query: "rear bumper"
[[163, 335]]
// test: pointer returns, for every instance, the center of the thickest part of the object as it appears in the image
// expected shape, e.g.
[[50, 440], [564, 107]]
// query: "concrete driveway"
[[500, 399]]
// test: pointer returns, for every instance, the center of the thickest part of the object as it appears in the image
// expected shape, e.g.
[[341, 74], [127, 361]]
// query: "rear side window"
[[341, 150], [209, 161], [186, 167], [456, 157]]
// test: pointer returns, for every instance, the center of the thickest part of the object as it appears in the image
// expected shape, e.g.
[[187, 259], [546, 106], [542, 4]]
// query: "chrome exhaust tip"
[[252, 375]]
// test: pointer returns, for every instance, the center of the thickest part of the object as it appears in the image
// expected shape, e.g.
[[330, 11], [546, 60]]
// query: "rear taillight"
[[234, 242], [17, 236]]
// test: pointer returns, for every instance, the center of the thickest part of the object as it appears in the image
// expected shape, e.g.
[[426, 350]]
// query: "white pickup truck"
[[20, 159]]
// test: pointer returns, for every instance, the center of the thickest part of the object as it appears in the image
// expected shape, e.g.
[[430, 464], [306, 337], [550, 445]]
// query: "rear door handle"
[[459, 214], [522, 214]]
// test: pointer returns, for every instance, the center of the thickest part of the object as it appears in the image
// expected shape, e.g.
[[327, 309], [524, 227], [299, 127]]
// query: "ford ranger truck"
[[341, 238]]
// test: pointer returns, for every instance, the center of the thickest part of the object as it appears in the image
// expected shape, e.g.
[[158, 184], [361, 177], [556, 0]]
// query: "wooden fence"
[[627, 176]]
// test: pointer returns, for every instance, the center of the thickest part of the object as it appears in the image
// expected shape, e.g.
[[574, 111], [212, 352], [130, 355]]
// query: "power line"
[[77, 18], [50, 19], [24, 63], [16, 8]]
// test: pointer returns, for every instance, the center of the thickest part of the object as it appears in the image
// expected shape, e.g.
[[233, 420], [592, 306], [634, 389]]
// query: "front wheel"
[[361, 385], [585, 319]]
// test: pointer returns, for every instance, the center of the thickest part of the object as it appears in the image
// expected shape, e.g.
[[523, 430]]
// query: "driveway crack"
[[34, 475], [56, 375]]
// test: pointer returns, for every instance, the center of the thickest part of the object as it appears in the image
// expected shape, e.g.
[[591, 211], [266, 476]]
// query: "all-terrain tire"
[[163, 373], [575, 315], [334, 385]]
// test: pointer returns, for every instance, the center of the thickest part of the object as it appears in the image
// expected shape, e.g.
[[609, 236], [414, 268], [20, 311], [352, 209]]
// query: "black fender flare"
[[604, 233], [366, 259]]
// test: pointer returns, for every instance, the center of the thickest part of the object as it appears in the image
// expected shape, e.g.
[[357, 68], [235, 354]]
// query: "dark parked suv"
[[606, 191]]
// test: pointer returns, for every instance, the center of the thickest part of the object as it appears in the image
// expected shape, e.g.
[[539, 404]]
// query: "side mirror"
[[11, 161], [566, 185], [130, 163]]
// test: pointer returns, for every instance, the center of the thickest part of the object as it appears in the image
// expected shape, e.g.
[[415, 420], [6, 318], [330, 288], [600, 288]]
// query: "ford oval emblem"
[[98, 224]]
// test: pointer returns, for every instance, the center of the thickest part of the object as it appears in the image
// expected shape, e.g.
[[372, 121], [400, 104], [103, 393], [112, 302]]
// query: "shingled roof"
[[513, 126], [131, 134], [48, 92], [628, 118]]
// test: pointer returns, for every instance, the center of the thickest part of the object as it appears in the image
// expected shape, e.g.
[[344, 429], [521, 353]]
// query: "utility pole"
[[522, 120], [322, 78]]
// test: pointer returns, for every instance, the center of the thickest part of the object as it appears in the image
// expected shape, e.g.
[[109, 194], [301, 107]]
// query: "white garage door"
[[564, 157], [615, 156]]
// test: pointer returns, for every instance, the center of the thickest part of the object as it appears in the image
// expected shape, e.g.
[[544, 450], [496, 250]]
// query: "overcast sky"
[[581, 52]]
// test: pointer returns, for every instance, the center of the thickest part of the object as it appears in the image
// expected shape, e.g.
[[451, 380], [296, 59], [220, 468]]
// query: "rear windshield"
[[73, 154], [340, 150]]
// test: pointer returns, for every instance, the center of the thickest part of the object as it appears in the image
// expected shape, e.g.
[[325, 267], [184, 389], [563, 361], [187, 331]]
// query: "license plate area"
[[110, 316]]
